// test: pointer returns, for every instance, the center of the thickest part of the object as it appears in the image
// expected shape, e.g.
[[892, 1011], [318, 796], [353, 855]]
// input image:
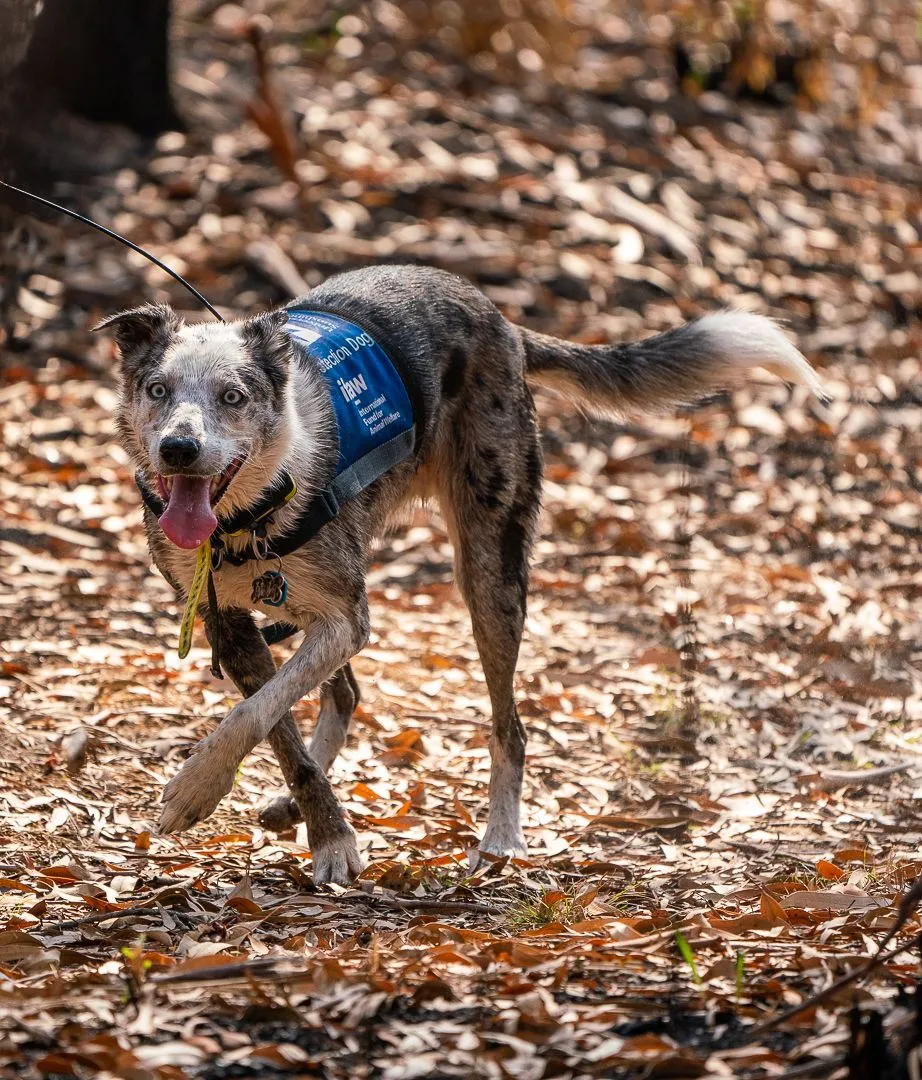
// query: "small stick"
[[96, 917], [833, 988], [812, 1068], [836, 778], [446, 907], [268, 257], [861, 777]]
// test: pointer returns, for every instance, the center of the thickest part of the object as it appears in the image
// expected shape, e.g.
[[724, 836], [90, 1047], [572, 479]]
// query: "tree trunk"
[[16, 22], [105, 60]]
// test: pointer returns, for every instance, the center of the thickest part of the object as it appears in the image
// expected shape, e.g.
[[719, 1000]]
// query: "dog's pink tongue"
[[188, 519]]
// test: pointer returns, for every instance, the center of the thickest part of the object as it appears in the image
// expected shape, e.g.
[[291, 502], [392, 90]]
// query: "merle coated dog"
[[213, 415]]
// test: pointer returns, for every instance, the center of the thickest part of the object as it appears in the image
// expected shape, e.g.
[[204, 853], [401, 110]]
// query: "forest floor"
[[685, 882]]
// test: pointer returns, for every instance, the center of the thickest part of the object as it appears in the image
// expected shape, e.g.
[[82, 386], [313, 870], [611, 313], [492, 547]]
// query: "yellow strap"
[[202, 569]]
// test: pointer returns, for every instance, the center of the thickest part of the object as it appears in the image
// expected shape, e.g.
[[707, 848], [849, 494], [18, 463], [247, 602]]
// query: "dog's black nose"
[[178, 451]]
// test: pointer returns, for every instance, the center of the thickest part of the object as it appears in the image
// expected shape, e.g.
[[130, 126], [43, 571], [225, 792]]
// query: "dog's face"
[[205, 411]]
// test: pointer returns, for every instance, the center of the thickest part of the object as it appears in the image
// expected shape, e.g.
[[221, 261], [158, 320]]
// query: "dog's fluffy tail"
[[712, 353]]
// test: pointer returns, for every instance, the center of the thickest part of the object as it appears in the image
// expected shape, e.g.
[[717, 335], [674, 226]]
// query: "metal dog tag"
[[270, 588]]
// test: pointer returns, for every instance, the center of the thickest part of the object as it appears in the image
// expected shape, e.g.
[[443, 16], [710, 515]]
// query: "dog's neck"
[[305, 449]]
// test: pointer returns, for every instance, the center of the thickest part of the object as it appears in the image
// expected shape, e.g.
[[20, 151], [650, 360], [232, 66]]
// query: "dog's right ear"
[[140, 329], [268, 344]]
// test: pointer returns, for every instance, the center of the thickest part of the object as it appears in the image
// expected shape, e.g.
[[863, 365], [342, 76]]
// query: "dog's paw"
[[195, 791], [280, 814], [506, 840], [337, 859]]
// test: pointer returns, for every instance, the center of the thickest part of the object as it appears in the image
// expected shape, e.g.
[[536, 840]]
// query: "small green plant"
[[740, 974], [688, 956], [447, 877], [616, 901], [532, 913]]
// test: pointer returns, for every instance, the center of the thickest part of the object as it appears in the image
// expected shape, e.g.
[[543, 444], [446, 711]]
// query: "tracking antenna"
[[122, 240]]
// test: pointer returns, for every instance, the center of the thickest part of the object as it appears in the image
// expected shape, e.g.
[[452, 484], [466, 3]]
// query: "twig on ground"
[[836, 778], [271, 260], [908, 905], [444, 907], [812, 1068], [861, 777], [266, 110], [97, 917]]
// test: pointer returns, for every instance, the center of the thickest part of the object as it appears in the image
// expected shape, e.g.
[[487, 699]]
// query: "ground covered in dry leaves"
[[685, 883]]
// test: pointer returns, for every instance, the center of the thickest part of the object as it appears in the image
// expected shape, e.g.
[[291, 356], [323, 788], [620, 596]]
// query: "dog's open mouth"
[[189, 518]]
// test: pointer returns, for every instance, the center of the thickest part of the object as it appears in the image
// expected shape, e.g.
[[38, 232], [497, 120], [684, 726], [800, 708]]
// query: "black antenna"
[[121, 239]]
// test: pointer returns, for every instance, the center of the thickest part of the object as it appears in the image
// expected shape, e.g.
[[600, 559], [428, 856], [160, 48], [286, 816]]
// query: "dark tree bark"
[[17, 18], [65, 64], [104, 60]]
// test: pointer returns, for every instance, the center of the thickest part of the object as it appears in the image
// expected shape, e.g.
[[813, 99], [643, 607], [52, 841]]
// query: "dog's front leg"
[[331, 640]]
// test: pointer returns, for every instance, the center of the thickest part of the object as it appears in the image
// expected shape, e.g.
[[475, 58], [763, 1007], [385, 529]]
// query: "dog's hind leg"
[[338, 700], [492, 526], [250, 665]]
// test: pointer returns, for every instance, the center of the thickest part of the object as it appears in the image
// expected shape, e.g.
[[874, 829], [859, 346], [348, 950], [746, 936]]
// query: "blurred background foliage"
[[779, 50], [845, 57]]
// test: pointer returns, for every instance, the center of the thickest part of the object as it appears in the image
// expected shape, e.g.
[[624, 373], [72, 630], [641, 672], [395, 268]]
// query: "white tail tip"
[[745, 340]]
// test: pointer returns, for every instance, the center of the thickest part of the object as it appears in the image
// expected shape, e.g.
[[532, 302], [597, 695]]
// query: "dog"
[[222, 418]]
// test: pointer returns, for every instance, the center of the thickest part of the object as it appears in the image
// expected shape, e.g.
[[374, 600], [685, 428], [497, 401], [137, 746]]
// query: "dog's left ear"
[[268, 344], [141, 329]]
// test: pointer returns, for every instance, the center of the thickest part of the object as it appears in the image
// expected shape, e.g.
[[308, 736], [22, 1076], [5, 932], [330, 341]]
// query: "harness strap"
[[375, 463], [281, 491], [276, 632], [326, 504]]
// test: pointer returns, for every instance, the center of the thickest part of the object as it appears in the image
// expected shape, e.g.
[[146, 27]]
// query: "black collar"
[[321, 510]]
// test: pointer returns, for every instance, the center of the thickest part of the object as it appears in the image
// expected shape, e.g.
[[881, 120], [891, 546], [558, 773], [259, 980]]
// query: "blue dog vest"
[[374, 416]]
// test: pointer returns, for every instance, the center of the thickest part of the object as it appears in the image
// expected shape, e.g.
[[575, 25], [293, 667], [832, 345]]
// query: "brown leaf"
[[772, 908]]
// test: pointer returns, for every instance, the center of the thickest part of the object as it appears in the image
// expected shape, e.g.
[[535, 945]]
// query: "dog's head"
[[206, 410]]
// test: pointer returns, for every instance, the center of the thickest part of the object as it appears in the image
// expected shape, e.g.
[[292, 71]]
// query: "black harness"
[[257, 520]]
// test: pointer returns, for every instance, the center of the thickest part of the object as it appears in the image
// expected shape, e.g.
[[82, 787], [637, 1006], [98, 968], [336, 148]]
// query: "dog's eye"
[[232, 397], [157, 390]]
